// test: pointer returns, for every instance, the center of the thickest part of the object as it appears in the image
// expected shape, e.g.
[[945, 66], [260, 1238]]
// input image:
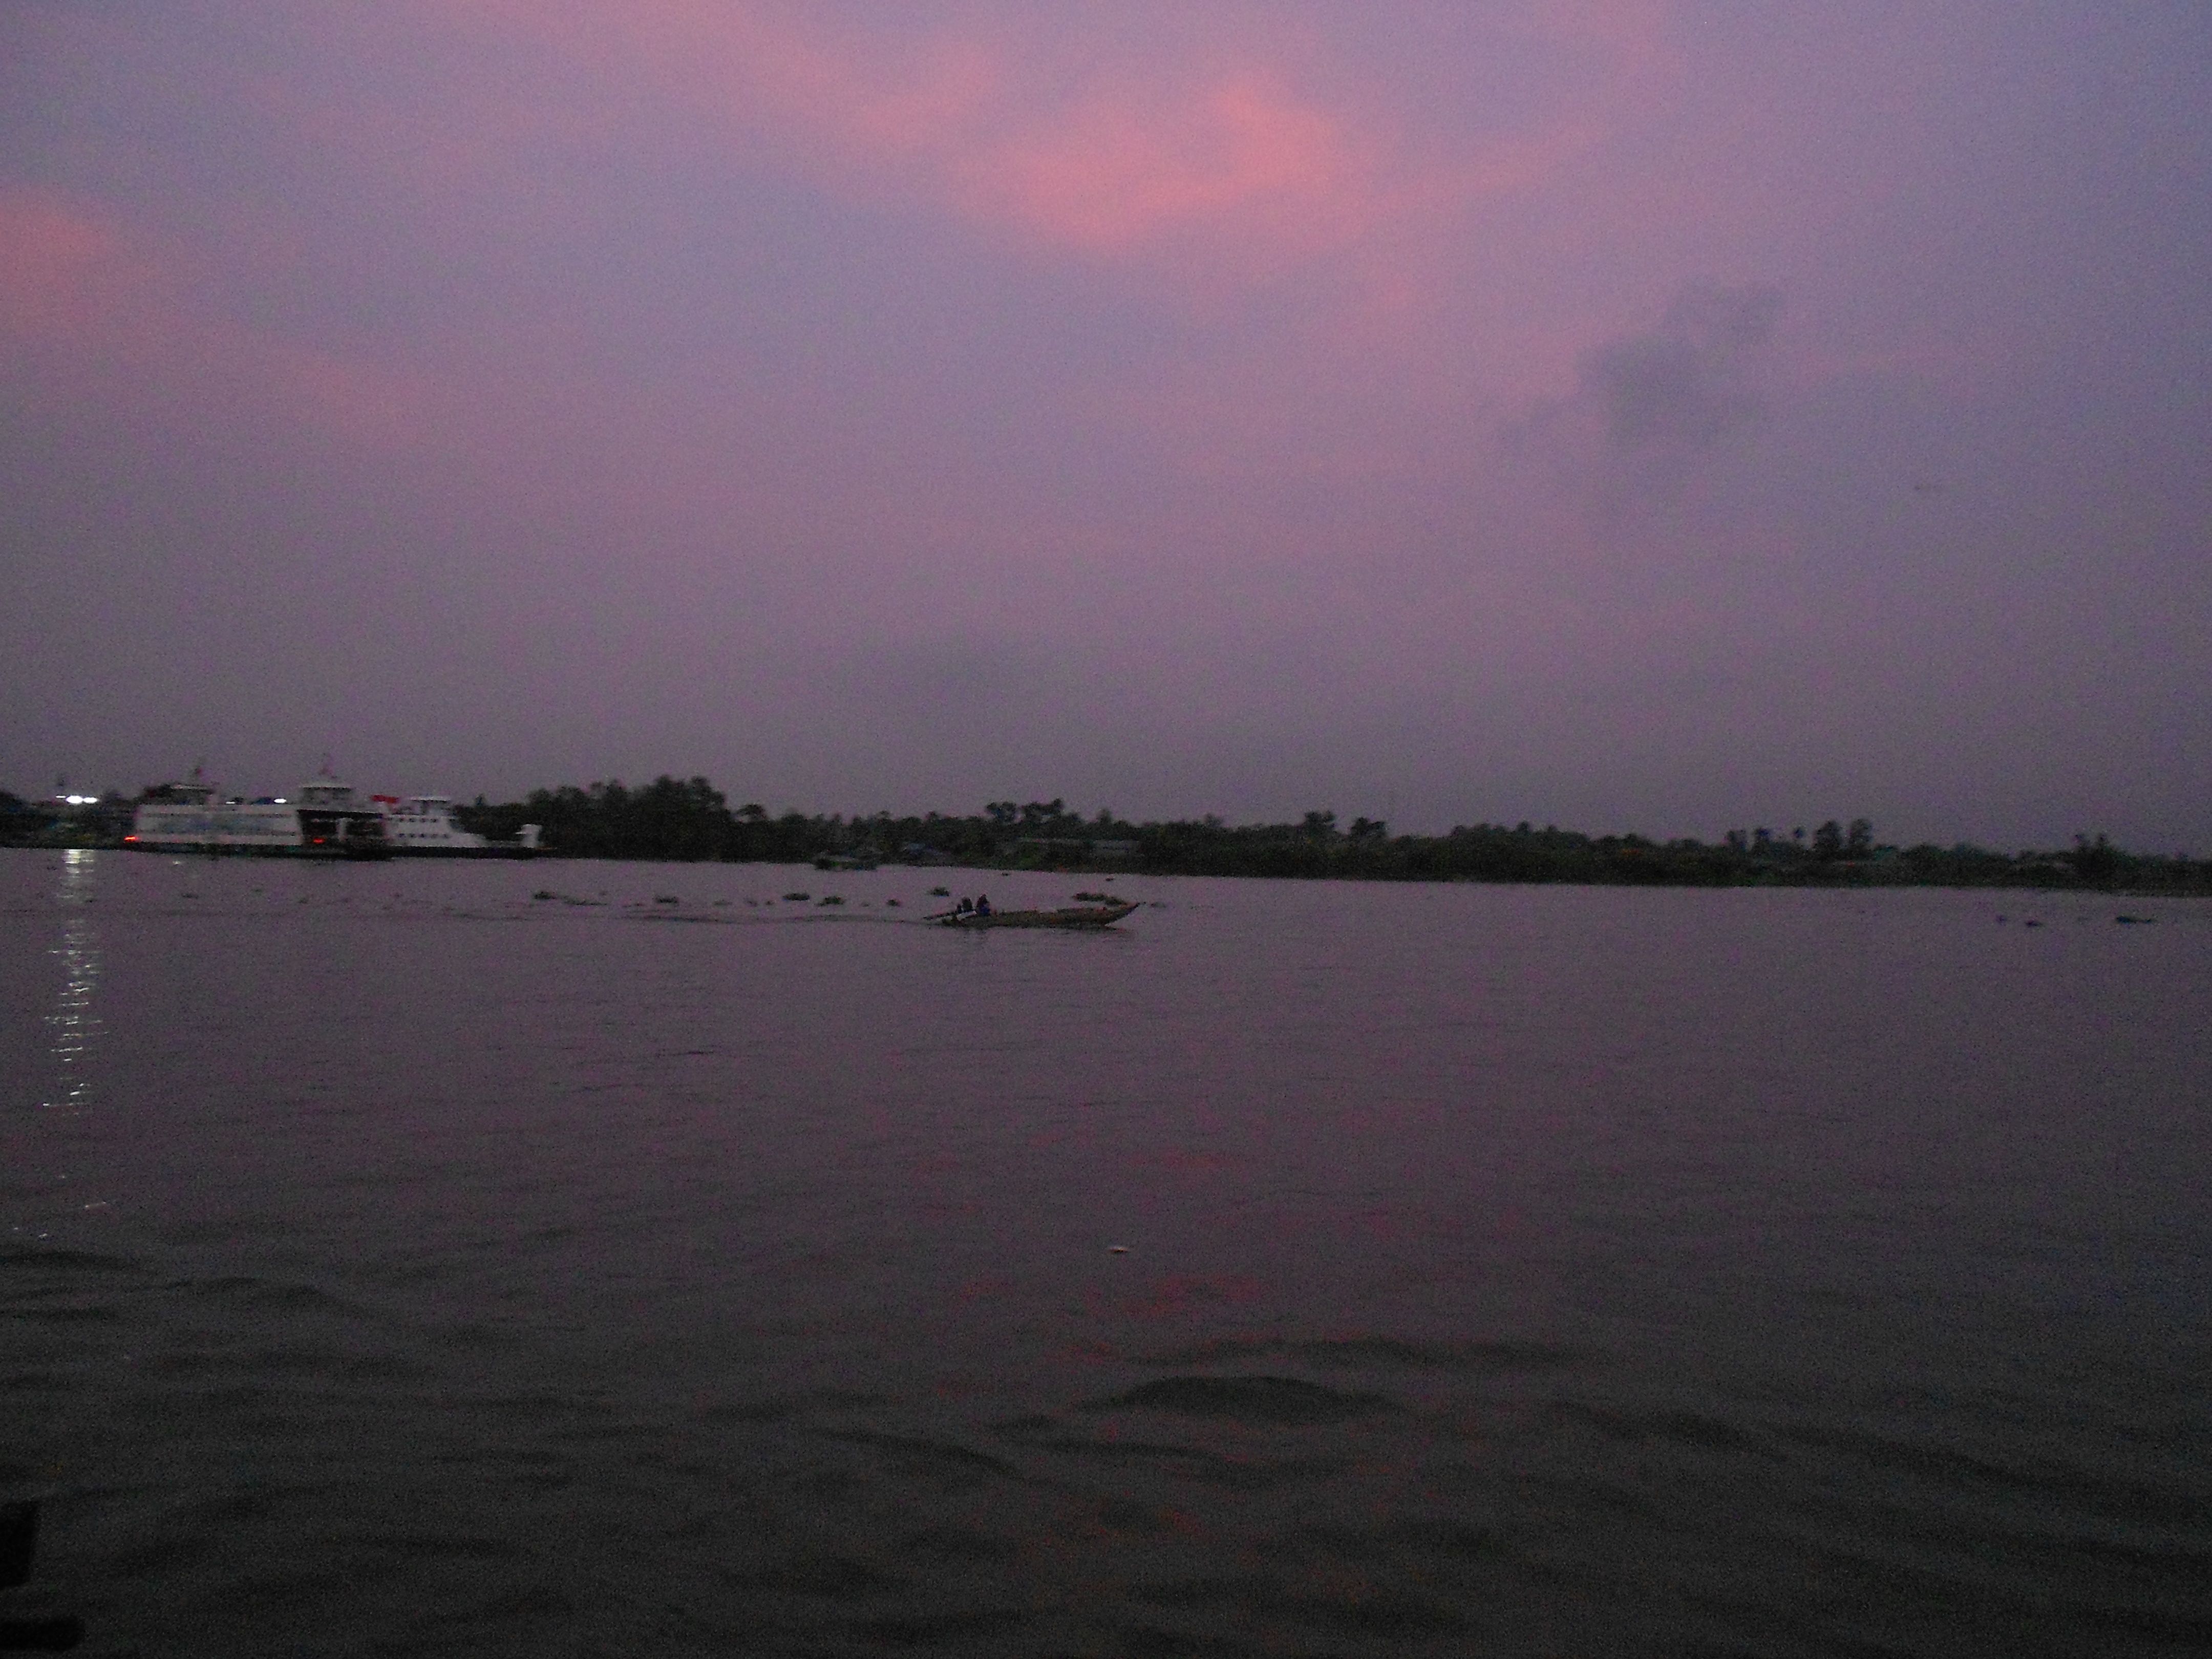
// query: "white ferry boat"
[[423, 827], [324, 819]]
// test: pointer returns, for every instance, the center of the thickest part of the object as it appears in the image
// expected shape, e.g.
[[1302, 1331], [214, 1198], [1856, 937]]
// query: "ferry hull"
[[490, 850], [226, 846]]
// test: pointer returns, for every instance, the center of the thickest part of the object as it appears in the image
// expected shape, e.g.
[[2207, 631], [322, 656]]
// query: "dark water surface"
[[390, 1263]]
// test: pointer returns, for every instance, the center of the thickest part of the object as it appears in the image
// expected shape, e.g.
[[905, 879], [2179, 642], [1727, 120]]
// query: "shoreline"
[[2196, 883]]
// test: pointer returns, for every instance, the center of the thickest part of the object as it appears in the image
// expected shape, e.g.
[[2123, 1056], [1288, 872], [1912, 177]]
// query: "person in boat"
[[983, 904], [965, 905]]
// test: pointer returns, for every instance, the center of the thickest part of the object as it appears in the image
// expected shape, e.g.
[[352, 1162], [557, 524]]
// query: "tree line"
[[691, 819]]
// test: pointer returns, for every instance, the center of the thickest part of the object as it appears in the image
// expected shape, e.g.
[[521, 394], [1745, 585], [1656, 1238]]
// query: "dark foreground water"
[[390, 1263]]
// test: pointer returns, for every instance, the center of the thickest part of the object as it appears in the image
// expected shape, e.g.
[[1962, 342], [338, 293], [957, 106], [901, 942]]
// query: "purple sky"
[[1613, 412]]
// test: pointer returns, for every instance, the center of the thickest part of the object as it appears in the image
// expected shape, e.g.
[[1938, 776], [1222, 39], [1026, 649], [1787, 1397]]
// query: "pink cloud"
[[1230, 149], [59, 263], [92, 306], [97, 310], [1109, 162], [1113, 173]]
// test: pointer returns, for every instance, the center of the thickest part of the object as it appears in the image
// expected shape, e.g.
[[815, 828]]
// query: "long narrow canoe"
[[1079, 915]]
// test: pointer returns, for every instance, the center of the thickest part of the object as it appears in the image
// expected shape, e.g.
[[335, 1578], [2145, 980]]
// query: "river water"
[[393, 1261]]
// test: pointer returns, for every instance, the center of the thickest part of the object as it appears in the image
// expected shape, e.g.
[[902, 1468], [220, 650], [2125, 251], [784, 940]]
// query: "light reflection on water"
[[74, 1026]]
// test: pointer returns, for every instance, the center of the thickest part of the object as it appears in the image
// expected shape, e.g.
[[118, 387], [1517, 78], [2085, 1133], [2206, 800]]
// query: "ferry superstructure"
[[324, 819], [422, 826]]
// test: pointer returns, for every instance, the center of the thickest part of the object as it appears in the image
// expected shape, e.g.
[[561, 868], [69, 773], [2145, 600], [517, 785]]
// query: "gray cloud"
[[1684, 384]]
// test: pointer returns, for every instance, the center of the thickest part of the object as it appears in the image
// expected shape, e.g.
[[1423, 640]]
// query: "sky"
[[1624, 414]]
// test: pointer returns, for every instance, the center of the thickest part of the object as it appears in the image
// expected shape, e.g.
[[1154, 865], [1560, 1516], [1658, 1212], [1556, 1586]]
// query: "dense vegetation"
[[672, 818], [690, 819]]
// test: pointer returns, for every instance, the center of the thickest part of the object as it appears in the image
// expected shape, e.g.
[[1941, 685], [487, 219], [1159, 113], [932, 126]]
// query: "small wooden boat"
[[1078, 916]]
